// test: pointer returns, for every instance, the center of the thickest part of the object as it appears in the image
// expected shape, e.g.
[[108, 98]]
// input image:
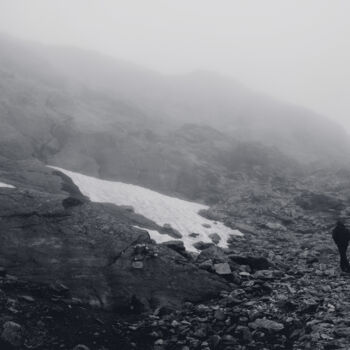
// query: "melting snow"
[[182, 215], [6, 185]]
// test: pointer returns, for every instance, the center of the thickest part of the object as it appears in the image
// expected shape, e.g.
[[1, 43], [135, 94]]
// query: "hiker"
[[341, 237]]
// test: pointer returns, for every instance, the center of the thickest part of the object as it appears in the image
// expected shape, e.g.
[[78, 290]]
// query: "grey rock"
[[12, 333], [255, 263], [269, 325], [274, 226], [215, 238], [167, 229], [206, 264], [219, 314], [264, 275], [222, 269], [202, 245], [81, 347], [178, 246], [194, 234]]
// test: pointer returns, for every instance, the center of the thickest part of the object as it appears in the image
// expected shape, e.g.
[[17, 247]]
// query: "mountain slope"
[[200, 137], [93, 114]]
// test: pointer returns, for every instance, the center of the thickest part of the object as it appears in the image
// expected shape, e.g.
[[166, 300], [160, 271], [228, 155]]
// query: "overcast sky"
[[297, 50]]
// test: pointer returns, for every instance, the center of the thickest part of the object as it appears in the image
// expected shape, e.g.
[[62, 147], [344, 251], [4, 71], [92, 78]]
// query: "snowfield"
[[6, 185], [182, 215]]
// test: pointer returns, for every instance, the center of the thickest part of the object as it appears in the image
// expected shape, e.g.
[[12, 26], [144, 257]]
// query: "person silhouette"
[[341, 237]]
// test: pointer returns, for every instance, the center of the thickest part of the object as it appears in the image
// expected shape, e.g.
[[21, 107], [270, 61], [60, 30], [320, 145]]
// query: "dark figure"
[[341, 236]]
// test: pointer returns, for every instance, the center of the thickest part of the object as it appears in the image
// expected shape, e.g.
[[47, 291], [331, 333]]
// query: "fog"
[[297, 51]]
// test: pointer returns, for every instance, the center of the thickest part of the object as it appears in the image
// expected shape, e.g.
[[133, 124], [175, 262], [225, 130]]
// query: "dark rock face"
[[50, 233], [162, 279], [176, 245], [202, 245]]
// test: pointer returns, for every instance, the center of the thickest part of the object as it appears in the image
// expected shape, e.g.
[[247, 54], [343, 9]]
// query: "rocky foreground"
[[79, 275], [286, 292]]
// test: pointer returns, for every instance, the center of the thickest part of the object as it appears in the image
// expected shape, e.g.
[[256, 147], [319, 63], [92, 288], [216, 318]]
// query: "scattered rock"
[[264, 275], [263, 323], [215, 238], [342, 332], [194, 235], [137, 264], [202, 245], [220, 314], [12, 333], [213, 253], [222, 269], [81, 347], [27, 298]]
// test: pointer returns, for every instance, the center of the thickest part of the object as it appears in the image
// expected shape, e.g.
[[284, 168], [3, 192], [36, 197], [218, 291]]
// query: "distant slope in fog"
[[176, 134], [180, 214]]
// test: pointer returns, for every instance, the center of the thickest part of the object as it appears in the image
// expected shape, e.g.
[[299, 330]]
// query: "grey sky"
[[297, 50]]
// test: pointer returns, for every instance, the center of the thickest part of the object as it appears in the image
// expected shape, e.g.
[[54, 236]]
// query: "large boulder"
[[92, 248]]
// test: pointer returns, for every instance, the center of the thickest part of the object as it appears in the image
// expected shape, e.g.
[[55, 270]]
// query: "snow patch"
[[182, 215], [6, 185]]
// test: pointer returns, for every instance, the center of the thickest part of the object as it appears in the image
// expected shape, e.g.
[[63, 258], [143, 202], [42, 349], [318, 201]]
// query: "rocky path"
[[301, 301]]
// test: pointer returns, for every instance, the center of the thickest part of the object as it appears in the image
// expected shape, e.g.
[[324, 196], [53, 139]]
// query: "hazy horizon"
[[297, 52]]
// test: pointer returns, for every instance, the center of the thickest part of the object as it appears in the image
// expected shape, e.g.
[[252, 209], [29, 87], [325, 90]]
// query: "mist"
[[295, 51], [174, 174]]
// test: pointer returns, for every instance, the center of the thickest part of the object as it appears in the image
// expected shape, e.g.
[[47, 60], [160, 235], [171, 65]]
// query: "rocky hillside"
[[51, 233], [73, 271], [180, 135]]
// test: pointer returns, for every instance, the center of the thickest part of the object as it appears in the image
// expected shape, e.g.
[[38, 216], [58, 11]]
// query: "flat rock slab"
[[222, 269]]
